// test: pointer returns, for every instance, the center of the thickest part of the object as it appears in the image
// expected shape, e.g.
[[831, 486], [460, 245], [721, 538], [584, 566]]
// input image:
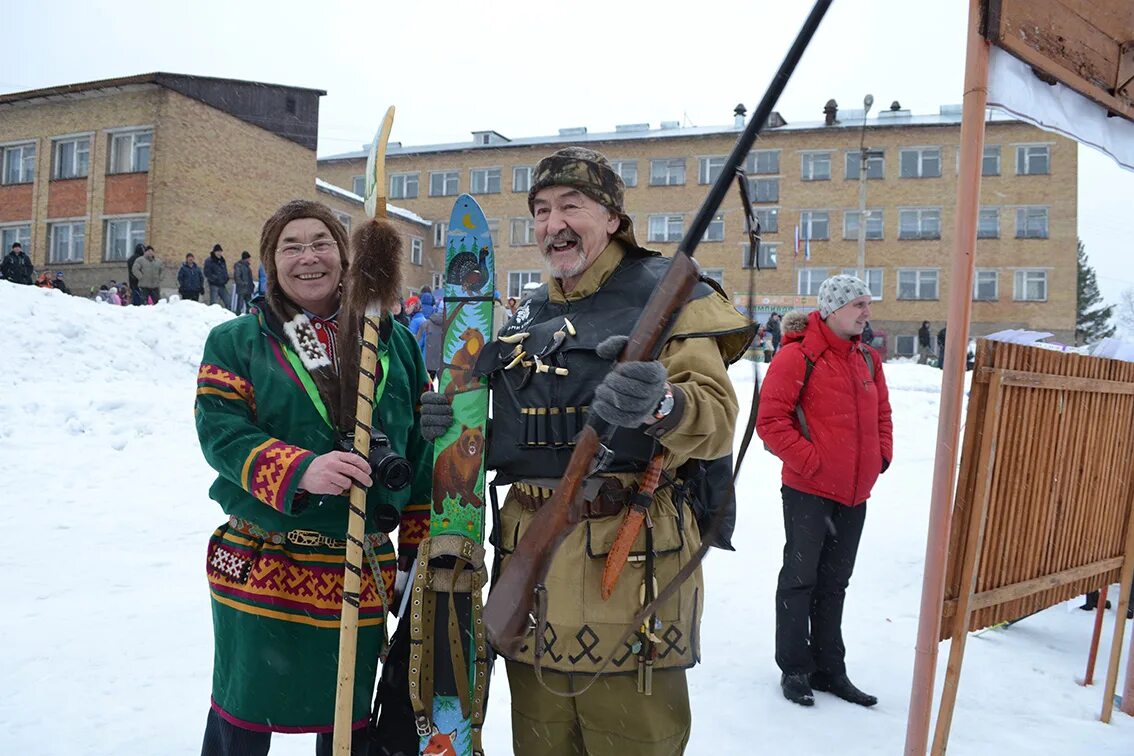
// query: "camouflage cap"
[[589, 172]]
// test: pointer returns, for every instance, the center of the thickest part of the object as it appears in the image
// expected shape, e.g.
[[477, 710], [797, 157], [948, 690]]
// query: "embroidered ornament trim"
[[306, 343]]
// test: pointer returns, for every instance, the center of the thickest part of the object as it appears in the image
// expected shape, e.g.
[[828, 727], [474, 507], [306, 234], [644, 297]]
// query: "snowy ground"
[[107, 639]]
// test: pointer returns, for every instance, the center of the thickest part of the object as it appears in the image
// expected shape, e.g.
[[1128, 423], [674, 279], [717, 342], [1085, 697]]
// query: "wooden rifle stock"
[[506, 615]]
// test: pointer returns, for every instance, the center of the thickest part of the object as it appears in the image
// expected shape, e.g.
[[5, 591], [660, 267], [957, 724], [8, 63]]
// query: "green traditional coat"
[[276, 593]]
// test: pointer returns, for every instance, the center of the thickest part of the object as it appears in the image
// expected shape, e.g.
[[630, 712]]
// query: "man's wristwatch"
[[665, 406]]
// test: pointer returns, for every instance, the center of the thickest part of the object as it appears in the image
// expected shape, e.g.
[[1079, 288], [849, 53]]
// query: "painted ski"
[[449, 703]]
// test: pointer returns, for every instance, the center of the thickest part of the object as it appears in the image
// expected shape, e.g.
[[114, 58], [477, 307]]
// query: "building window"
[[1031, 223], [768, 255], [628, 170], [72, 158], [521, 178], [10, 235], [873, 279], [815, 166], [415, 253], [714, 274], [990, 164], [343, 218], [19, 164], [808, 280], [769, 218], [814, 225], [919, 223], [493, 227], [403, 186], [874, 224], [444, 183], [904, 345], [988, 223], [875, 164], [518, 279], [122, 234], [917, 284], [523, 232], [762, 161], [764, 190], [437, 280], [67, 242], [358, 185], [667, 172], [710, 169], [484, 180], [986, 285], [666, 228], [1033, 159], [130, 151], [921, 162], [440, 233], [715, 231], [1030, 286]]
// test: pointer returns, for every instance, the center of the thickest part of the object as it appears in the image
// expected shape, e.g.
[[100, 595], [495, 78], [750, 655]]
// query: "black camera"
[[389, 469]]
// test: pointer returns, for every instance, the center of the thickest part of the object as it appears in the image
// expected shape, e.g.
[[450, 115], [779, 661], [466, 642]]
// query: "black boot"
[[839, 685], [797, 689]]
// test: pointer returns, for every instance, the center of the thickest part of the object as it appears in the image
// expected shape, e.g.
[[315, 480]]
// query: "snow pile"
[[108, 639]]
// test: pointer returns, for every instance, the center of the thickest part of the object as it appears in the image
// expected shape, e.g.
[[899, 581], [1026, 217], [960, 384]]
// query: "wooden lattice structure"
[[1043, 508]]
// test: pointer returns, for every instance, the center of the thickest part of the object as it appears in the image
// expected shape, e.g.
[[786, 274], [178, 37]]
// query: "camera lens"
[[393, 471]]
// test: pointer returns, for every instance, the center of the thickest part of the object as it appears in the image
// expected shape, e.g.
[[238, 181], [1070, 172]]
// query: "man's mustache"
[[566, 235]]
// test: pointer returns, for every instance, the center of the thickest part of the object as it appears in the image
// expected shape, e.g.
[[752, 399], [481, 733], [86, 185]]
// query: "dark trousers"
[[150, 296], [191, 295], [822, 542], [222, 738]]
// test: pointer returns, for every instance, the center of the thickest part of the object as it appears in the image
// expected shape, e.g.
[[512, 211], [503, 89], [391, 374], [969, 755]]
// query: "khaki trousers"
[[612, 717]]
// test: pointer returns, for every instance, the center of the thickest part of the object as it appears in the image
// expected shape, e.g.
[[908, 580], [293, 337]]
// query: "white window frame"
[[994, 231], [1026, 154], [925, 216], [136, 142], [815, 166], [18, 164], [709, 168], [11, 233], [417, 251], [922, 277], [445, 178], [667, 172], [925, 155], [77, 168], [345, 219], [1022, 278], [627, 170], [991, 151], [762, 163], [518, 279], [405, 185], [135, 233], [522, 232], [986, 274], [875, 279], [757, 186], [74, 245], [665, 227], [814, 277], [810, 221], [358, 185], [522, 178], [715, 231], [875, 224], [769, 218], [482, 181], [907, 340], [440, 233], [716, 274], [769, 255], [875, 165], [1027, 216]]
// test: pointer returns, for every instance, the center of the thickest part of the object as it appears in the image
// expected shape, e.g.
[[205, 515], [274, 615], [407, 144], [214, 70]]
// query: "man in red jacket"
[[825, 411]]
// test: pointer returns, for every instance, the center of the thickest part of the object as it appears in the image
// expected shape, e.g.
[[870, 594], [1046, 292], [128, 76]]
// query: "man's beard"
[[572, 268]]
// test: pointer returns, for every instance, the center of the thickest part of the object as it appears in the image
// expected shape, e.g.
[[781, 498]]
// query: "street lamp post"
[[861, 273]]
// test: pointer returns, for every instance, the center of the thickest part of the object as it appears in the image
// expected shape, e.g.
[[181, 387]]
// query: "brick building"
[[801, 176]]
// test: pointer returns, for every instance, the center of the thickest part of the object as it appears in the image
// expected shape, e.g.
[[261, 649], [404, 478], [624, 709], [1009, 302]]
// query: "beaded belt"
[[297, 537]]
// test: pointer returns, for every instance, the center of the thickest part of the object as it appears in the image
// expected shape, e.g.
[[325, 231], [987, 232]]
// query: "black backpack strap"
[[799, 402]]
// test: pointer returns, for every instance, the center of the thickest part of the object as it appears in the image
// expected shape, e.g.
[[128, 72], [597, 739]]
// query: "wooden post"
[[1120, 621], [1096, 634], [970, 565], [952, 385]]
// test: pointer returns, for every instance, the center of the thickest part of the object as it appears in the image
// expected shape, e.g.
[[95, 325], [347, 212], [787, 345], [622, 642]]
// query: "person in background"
[[135, 294], [59, 283], [923, 342], [825, 411], [190, 279], [262, 282], [216, 273], [44, 280], [242, 283], [416, 319], [773, 326], [17, 266], [510, 308], [434, 341], [867, 334], [148, 269], [941, 348]]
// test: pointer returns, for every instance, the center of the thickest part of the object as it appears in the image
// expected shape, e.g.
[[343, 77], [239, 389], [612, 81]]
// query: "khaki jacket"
[[148, 272]]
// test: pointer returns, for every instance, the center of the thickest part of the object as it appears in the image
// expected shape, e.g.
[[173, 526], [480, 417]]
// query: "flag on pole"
[[795, 253], [807, 244]]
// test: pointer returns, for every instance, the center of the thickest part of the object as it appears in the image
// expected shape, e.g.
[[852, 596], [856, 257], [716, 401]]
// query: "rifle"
[[508, 612]]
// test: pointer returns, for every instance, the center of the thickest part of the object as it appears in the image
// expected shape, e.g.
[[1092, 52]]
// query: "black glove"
[[885, 464], [436, 415], [631, 391]]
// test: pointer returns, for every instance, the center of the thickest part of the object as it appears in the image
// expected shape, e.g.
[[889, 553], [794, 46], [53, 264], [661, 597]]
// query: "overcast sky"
[[528, 68]]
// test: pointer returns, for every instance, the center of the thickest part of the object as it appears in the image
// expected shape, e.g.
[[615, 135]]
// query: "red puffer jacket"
[[847, 412]]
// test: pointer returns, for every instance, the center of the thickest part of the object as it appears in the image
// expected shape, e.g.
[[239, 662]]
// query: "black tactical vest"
[[537, 408]]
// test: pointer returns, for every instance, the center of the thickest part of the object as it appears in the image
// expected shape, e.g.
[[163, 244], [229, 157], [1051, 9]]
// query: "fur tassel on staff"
[[371, 285]]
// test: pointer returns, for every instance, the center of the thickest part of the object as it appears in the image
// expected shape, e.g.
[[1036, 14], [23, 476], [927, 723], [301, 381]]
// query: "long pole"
[[866, 103], [952, 384]]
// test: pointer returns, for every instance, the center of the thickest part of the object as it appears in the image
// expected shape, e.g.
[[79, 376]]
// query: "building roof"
[[949, 115], [343, 194], [290, 112]]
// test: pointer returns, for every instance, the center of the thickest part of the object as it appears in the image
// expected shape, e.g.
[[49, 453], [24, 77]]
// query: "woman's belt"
[[298, 537]]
